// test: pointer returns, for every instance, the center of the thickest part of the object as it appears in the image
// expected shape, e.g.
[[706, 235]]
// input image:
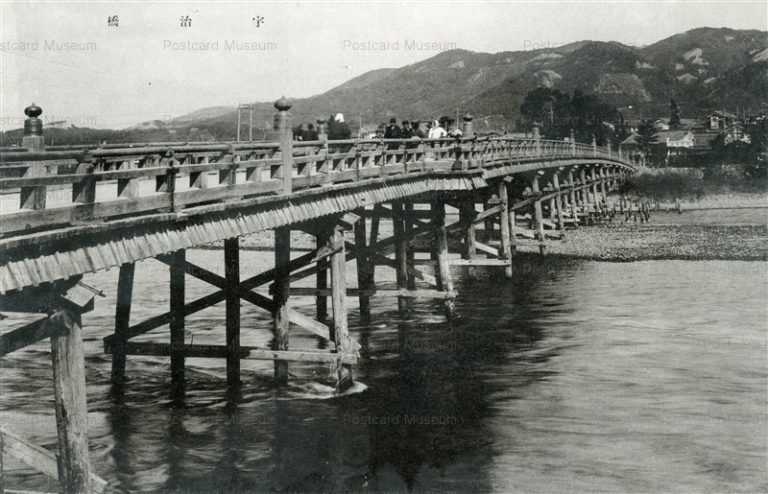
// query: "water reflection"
[[572, 376]]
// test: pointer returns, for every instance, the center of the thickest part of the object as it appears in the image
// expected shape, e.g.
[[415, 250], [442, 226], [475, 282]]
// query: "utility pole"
[[240, 108]]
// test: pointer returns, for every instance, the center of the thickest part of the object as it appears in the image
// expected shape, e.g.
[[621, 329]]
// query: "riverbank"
[[723, 235]]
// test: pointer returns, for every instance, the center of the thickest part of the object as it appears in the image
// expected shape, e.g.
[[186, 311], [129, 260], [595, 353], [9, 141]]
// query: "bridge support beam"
[[401, 252], [363, 268], [177, 296], [281, 290], [538, 214], [321, 283], [68, 360], [557, 201], [339, 330], [467, 215], [444, 280], [122, 320], [506, 226], [232, 274]]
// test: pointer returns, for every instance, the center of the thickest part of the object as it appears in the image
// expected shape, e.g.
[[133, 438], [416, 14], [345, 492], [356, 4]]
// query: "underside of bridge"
[[492, 194]]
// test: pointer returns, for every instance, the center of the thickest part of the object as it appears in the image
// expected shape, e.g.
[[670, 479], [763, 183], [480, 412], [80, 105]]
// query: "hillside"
[[703, 69]]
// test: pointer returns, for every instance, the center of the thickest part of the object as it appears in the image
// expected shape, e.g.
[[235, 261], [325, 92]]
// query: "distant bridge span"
[[69, 211]]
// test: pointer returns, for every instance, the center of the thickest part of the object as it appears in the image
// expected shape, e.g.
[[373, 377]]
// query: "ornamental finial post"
[[33, 138]]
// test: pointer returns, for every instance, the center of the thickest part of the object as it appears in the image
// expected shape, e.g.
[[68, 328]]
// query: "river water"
[[576, 376]]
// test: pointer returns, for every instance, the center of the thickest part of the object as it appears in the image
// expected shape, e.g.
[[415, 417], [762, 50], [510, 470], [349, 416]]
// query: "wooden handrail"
[[312, 163]]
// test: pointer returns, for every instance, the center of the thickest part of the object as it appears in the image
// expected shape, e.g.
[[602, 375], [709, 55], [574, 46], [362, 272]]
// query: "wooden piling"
[[122, 320], [363, 267], [232, 274], [338, 296], [281, 291], [177, 271], [409, 251], [443, 271], [505, 250], [401, 252], [558, 202], [68, 360], [321, 282], [538, 214], [467, 215]]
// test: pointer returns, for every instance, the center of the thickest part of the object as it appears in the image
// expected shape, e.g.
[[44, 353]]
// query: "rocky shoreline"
[[649, 241], [738, 232]]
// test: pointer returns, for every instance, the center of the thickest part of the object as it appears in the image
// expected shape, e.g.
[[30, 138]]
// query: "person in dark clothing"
[[418, 130], [392, 131], [407, 131], [337, 128], [311, 133]]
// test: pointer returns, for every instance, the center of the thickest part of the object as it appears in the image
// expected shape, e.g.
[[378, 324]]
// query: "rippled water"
[[576, 376]]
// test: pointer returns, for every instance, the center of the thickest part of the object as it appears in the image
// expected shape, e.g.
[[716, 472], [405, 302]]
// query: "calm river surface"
[[577, 376]]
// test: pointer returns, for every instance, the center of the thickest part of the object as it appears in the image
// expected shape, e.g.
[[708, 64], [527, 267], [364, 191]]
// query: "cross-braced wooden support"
[[63, 303], [232, 290]]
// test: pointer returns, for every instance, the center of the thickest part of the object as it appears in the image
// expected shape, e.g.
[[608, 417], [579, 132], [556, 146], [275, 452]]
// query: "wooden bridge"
[[69, 211]]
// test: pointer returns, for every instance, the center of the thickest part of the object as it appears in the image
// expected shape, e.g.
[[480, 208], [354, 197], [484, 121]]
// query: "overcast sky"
[[64, 56]]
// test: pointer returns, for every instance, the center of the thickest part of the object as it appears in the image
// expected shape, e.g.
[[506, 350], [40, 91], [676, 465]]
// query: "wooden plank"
[[24, 336], [487, 213], [486, 248], [479, 262], [307, 323], [35, 457]]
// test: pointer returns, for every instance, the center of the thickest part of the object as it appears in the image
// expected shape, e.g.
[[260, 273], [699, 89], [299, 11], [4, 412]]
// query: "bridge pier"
[[122, 320], [506, 228], [281, 292], [232, 275], [339, 330], [177, 299], [63, 303], [443, 271], [538, 214], [364, 269], [321, 283], [401, 253]]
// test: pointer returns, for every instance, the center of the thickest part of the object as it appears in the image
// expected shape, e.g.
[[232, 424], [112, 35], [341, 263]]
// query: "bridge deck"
[[133, 203]]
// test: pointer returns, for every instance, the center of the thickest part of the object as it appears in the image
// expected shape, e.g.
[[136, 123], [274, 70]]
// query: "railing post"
[[537, 138], [573, 143], [594, 145], [468, 131], [84, 192], [283, 126], [33, 140]]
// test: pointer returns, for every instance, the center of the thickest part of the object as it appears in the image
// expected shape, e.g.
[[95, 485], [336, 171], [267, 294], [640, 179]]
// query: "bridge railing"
[[42, 189]]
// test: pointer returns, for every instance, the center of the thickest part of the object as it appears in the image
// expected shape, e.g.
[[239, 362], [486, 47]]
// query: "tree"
[[674, 115], [647, 140]]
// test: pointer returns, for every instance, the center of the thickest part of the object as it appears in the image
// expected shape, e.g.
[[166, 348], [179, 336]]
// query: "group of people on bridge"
[[335, 128]]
